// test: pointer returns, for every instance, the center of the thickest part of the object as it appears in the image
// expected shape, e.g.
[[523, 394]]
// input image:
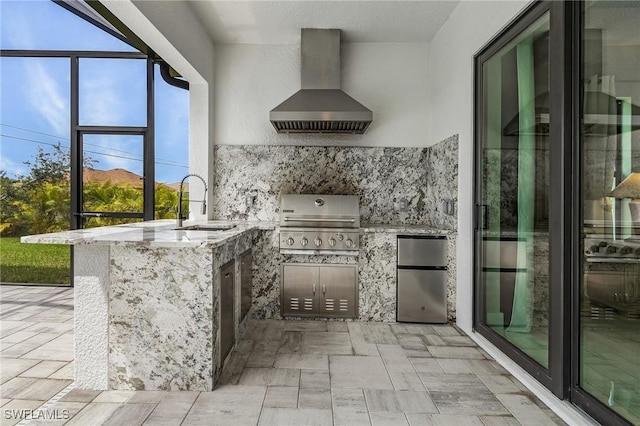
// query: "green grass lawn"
[[34, 263]]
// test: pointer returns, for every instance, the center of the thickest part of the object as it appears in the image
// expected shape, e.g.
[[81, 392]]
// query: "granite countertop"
[[403, 229], [155, 233], [162, 233]]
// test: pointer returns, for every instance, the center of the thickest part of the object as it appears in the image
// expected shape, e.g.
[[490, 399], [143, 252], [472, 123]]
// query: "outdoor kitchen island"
[[147, 302], [147, 297]]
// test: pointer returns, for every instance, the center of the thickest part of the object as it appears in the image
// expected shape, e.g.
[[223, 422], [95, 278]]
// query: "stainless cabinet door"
[[299, 289], [338, 295], [606, 288], [422, 295], [227, 303], [246, 282]]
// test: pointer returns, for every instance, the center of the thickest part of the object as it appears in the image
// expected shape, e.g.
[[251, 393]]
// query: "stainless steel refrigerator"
[[422, 279]]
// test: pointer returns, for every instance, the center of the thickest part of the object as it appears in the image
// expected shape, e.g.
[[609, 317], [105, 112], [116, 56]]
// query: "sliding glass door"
[[609, 299], [557, 175], [512, 166]]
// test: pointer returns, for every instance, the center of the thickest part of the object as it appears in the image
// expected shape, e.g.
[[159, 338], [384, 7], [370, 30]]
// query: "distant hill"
[[176, 186], [114, 176], [118, 177]]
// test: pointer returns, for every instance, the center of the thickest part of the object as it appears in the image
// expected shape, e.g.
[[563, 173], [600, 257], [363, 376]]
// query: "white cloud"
[[99, 102], [12, 168], [113, 145], [45, 97]]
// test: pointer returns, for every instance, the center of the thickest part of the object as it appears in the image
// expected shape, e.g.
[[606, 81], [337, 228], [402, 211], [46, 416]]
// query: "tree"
[[40, 201], [166, 202], [53, 166], [9, 209], [45, 210]]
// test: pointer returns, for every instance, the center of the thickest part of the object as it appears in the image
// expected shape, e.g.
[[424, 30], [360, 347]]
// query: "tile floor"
[[282, 373], [36, 346]]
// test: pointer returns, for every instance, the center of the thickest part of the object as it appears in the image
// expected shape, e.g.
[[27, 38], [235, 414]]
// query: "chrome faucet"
[[203, 209]]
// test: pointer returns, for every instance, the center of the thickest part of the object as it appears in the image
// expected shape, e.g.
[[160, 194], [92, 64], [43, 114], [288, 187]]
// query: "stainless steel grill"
[[613, 251], [317, 224]]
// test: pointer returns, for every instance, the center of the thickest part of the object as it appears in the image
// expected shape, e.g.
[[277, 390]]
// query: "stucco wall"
[[391, 79], [173, 31], [450, 73], [91, 316]]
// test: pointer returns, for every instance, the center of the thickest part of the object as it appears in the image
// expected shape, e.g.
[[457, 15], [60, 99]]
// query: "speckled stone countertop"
[[403, 229], [155, 233], [162, 233]]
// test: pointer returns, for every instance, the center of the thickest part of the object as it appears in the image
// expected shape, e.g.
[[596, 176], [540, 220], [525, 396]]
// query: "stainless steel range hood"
[[320, 106]]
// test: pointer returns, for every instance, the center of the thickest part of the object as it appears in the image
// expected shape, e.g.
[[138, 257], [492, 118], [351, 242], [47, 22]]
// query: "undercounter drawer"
[[422, 251]]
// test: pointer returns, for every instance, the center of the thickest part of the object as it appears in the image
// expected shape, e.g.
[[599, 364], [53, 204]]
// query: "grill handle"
[[308, 219]]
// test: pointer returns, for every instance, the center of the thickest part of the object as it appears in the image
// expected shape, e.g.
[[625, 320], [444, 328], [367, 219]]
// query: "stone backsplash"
[[381, 177]]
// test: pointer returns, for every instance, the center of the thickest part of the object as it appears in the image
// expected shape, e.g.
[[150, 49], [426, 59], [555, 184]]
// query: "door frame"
[[565, 210], [77, 131], [555, 378]]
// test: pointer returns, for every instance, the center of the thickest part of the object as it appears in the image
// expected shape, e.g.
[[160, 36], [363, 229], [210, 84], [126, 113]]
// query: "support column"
[[91, 316]]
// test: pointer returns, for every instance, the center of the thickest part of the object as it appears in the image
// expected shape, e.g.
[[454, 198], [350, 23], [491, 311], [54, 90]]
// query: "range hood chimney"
[[320, 106]]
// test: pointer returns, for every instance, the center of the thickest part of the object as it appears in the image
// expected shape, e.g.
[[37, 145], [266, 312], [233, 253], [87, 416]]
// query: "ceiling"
[[618, 20], [279, 22]]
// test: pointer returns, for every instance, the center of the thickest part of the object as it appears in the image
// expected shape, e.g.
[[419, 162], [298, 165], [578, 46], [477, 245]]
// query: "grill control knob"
[[612, 249], [594, 248], [304, 242], [332, 242], [625, 250], [290, 241], [317, 242], [348, 243], [340, 237], [602, 243]]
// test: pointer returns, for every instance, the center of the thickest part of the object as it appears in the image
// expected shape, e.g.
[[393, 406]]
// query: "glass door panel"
[[513, 191], [112, 179], [609, 353]]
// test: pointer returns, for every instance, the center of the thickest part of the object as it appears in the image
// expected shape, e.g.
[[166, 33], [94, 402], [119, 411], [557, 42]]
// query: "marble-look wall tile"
[[160, 298], [266, 276], [377, 276], [442, 183], [380, 176], [168, 299], [241, 246]]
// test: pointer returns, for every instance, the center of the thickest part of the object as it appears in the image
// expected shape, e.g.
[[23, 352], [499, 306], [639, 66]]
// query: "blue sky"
[[34, 94]]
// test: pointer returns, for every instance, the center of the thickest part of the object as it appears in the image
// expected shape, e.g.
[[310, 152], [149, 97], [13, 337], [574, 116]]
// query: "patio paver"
[[283, 372]]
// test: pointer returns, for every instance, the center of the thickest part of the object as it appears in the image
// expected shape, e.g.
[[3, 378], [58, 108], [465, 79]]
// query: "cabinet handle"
[[324, 289], [227, 275], [314, 289]]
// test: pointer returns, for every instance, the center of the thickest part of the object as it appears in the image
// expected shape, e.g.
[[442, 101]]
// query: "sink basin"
[[205, 228]]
